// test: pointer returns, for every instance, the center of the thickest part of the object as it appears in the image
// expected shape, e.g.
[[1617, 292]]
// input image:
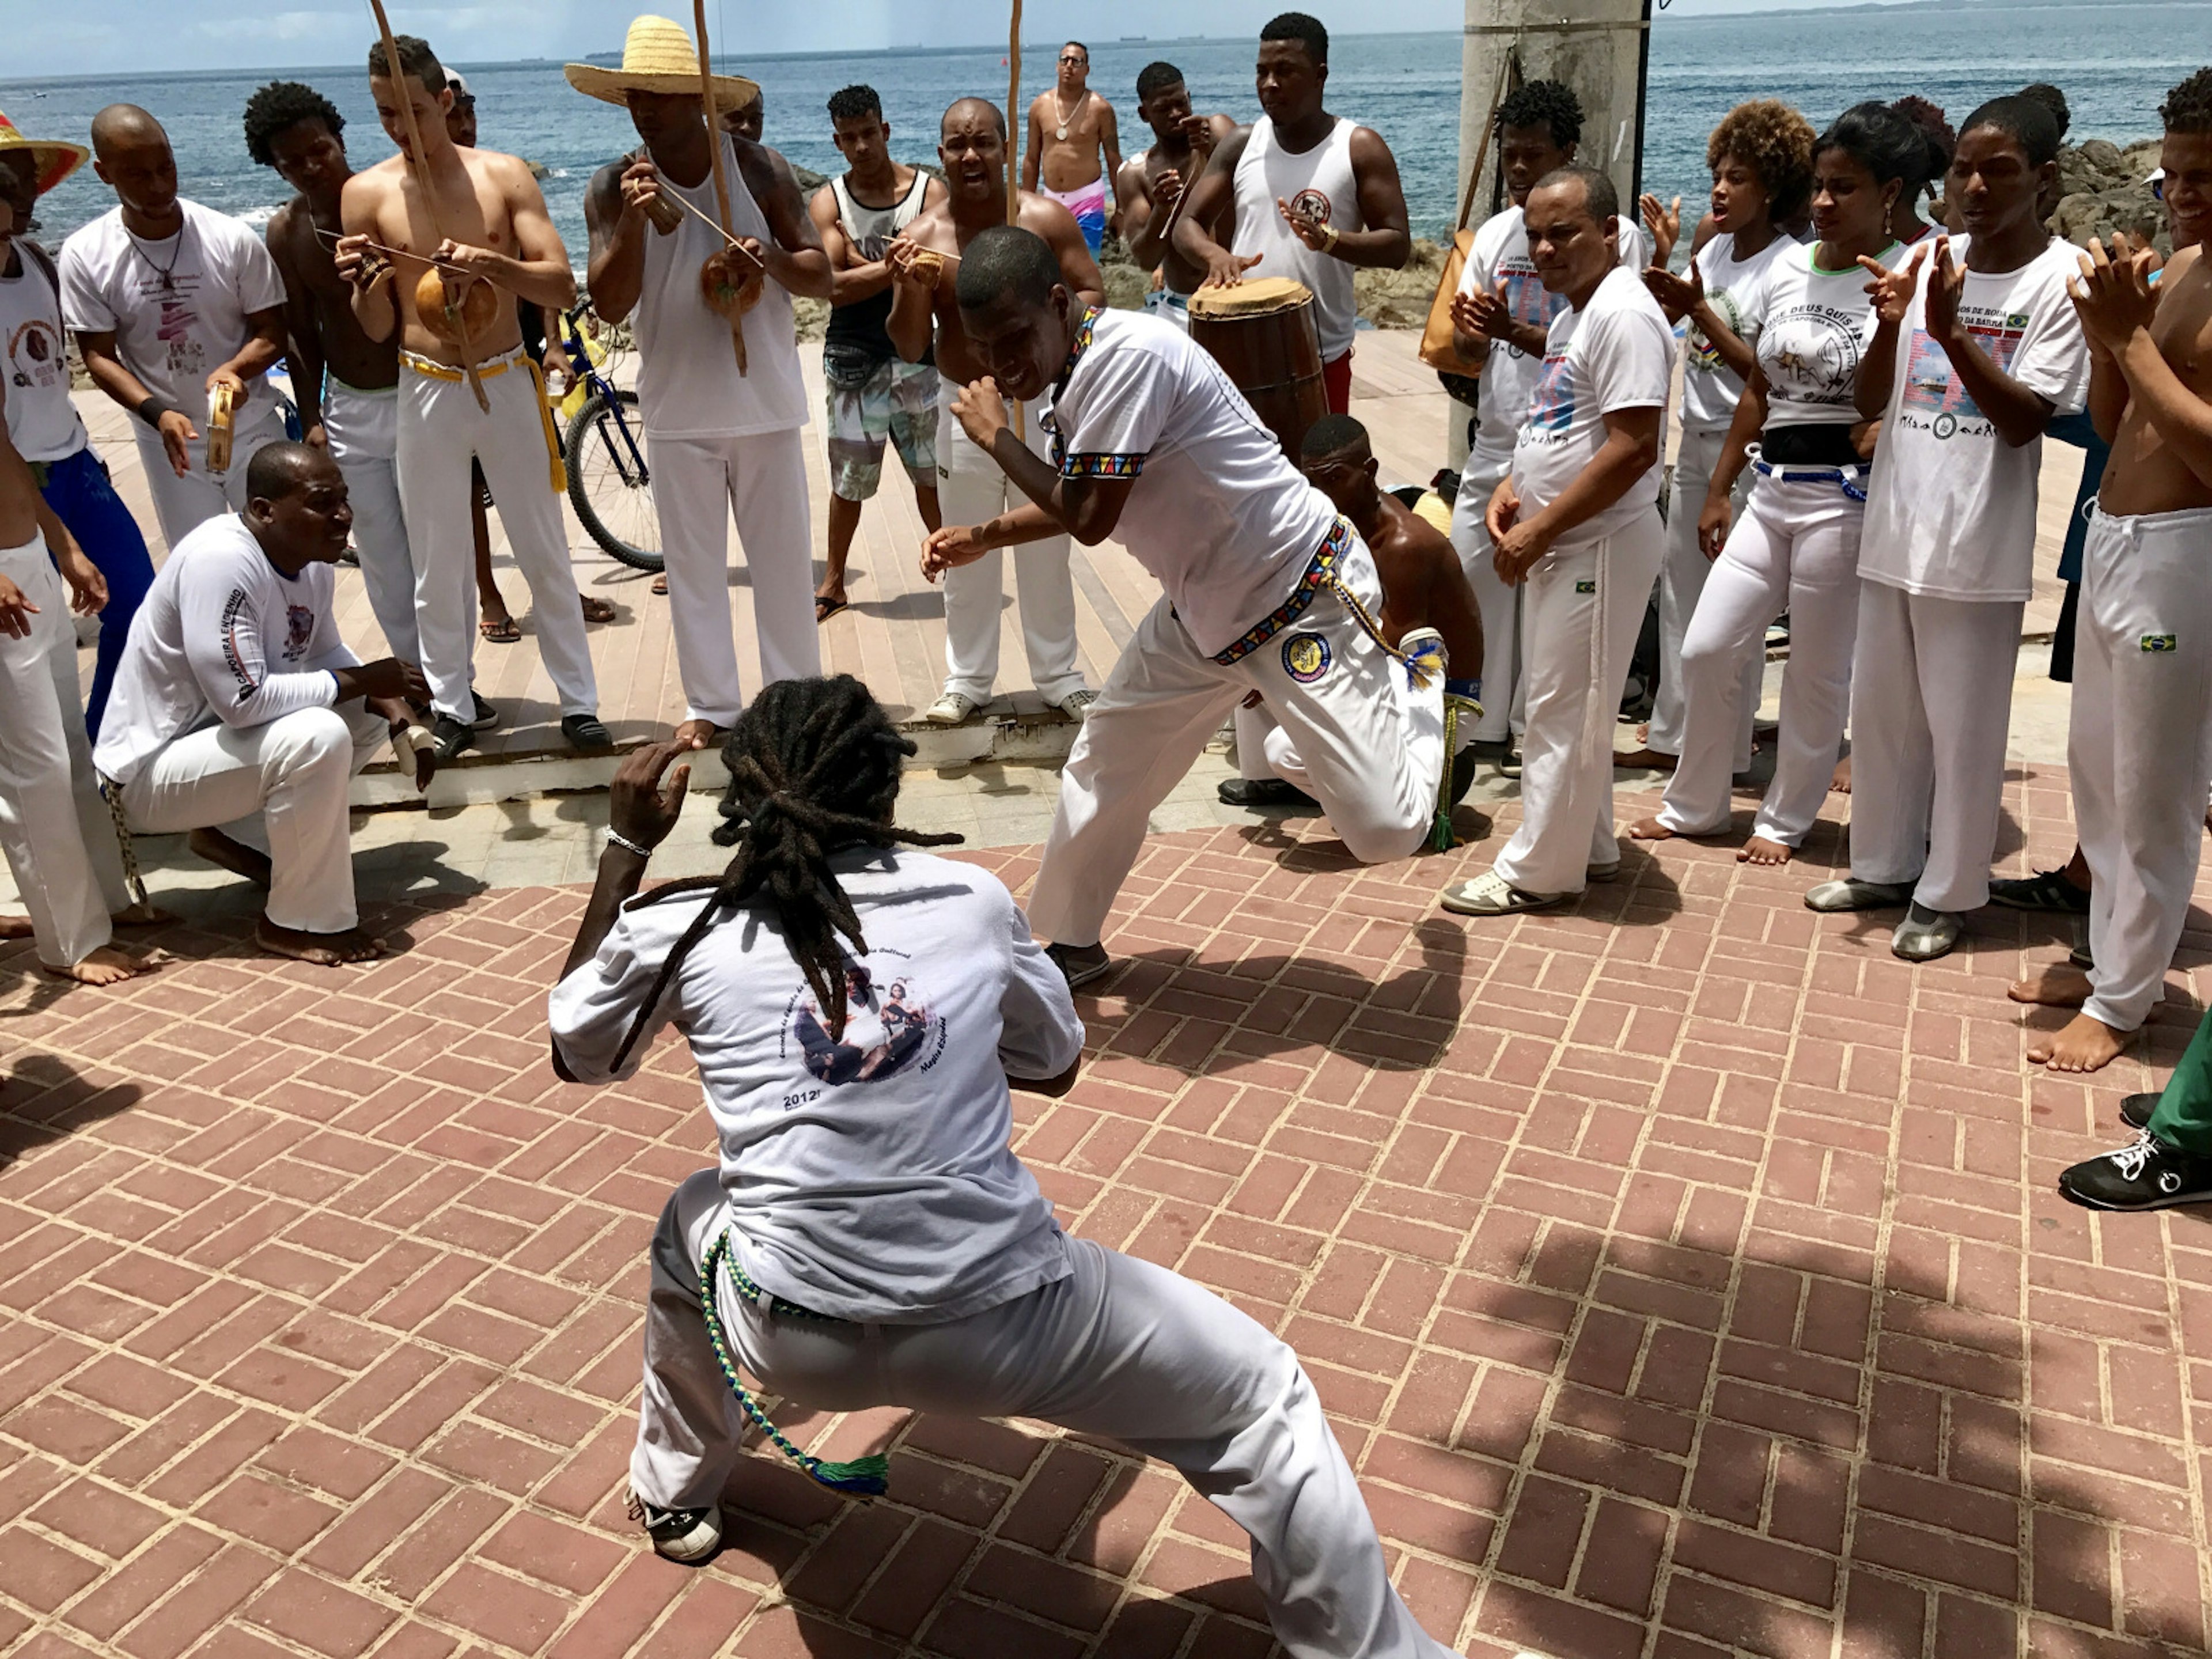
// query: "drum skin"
[[1264, 336]]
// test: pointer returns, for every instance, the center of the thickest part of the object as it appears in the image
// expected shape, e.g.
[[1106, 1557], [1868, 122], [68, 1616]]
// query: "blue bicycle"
[[609, 483]]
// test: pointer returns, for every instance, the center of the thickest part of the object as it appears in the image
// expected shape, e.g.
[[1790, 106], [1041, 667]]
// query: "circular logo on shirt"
[[1305, 657], [1310, 203], [889, 1027], [1945, 425]]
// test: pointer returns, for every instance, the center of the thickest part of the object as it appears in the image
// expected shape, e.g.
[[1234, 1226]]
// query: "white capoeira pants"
[[1931, 712], [971, 488], [697, 484], [1794, 548], [1503, 710], [1119, 1348], [442, 430], [1264, 750], [1371, 746], [279, 788], [2139, 746], [183, 505], [54, 826], [1681, 580], [363, 430], [1579, 621]]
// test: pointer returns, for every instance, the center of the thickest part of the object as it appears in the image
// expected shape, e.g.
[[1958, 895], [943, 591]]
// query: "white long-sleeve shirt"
[[224, 636]]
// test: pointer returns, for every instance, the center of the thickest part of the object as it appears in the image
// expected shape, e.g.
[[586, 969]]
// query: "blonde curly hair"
[[1776, 143]]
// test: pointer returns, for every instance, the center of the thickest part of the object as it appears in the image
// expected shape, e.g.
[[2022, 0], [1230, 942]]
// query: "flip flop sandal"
[[502, 632], [597, 609], [825, 608], [660, 583]]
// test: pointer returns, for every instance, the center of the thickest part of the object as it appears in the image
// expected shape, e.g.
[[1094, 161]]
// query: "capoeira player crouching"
[[238, 715], [1267, 589], [1577, 521], [869, 1238]]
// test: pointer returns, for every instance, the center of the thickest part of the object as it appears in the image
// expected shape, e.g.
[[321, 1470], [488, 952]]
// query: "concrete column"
[[1596, 46]]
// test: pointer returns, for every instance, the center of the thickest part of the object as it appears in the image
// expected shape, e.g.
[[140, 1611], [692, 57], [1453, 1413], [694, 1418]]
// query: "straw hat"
[[54, 159], [658, 56]]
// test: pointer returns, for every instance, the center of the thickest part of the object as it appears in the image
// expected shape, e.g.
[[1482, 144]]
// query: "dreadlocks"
[[814, 768]]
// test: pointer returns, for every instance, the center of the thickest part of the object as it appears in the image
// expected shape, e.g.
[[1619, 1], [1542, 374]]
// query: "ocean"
[[2115, 62]]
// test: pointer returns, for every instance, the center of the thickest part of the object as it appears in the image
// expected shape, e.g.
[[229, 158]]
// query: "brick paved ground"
[[1681, 1271]]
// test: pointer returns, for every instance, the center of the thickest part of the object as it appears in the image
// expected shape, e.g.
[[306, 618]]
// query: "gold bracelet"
[[1331, 239]]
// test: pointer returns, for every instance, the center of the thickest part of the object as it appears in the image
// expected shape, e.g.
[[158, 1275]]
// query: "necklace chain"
[[168, 282]]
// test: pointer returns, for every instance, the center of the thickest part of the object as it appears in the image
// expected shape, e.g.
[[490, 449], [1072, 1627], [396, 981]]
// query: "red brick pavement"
[[1682, 1273]]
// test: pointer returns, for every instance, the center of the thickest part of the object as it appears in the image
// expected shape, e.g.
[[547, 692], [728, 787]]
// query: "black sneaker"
[[2046, 890], [586, 732], [453, 736], [1509, 763], [1261, 791], [1079, 964], [485, 715], [2149, 1175], [2136, 1110], [686, 1535]]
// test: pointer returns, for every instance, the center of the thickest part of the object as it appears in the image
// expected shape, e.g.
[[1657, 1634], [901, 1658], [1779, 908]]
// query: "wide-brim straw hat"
[[54, 159], [658, 56]]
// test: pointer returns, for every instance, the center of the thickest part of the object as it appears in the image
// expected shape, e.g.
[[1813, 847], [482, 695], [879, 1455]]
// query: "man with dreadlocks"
[[869, 1238]]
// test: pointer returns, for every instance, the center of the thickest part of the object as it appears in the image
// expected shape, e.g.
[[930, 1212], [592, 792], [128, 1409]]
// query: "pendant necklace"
[[169, 283], [1061, 132]]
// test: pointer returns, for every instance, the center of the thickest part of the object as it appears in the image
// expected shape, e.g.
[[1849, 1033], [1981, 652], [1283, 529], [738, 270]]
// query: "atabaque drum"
[[1263, 334]]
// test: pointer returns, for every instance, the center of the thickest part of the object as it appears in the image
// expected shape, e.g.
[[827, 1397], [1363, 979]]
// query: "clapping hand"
[[1892, 291], [2115, 296]]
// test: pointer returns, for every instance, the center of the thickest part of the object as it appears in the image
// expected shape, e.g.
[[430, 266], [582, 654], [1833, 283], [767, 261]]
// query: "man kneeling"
[[856, 1010], [238, 715]]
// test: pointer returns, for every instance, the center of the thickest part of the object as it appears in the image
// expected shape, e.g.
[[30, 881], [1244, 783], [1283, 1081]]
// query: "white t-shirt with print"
[[222, 635], [1737, 289], [1509, 375], [867, 1177], [1951, 508], [1215, 513], [173, 335], [1818, 323], [42, 421], [1615, 353]]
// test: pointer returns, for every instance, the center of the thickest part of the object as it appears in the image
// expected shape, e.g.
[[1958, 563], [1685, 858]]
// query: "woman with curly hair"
[[1796, 546], [1761, 157], [1937, 142]]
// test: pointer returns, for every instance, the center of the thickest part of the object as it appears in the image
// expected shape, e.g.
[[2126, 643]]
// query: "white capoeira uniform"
[[885, 1247], [179, 309], [1794, 546], [363, 430], [2139, 746], [1320, 183], [972, 489], [1267, 590], [1737, 289], [54, 826], [442, 430], [1947, 556], [720, 443], [1509, 380], [1586, 598], [226, 714]]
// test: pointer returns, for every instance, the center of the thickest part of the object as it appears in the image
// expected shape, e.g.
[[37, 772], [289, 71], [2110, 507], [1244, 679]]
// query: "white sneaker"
[[1491, 894], [950, 709], [685, 1535], [1076, 703]]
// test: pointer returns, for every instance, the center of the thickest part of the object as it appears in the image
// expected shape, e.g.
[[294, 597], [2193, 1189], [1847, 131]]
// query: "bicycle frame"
[[605, 390]]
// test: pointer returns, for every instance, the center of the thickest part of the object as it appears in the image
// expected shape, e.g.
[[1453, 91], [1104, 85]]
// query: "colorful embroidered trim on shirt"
[[1098, 466], [1081, 344], [1318, 575]]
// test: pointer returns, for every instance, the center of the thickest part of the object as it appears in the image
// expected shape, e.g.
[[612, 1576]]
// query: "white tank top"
[[1318, 183], [687, 383]]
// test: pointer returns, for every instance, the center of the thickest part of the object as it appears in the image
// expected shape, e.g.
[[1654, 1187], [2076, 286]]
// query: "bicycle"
[[609, 483]]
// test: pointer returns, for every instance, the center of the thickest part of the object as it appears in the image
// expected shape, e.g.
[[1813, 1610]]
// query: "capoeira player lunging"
[[869, 1238], [1267, 589]]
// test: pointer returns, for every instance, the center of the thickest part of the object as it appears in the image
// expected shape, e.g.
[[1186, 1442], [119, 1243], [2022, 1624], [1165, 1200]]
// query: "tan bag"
[[1439, 349]]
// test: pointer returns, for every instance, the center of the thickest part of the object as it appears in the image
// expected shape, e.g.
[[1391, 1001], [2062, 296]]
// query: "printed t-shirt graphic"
[[1932, 390], [888, 1025]]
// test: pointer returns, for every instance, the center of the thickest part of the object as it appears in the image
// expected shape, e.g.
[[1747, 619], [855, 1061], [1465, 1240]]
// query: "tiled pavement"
[[1682, 1273]]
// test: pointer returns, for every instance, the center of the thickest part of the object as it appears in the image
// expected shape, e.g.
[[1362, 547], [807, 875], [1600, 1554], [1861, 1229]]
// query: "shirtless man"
[[1148, 186], [2137, 750], [502, 236], [1069, 124], [971, 488], [346, 385]]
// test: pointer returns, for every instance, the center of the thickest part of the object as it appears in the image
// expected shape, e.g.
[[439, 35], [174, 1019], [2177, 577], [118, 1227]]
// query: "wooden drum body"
[[1263, 334]]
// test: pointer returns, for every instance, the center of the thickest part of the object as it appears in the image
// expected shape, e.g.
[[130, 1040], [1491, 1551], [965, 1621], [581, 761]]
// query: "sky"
[[138, 36]]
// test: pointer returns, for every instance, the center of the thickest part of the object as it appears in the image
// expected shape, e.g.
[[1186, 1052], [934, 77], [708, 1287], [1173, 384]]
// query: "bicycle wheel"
[[608, 483]]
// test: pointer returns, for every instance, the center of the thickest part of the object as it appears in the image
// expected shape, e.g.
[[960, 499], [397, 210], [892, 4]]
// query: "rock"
[[811, 316], [2106, 189], [2102, 154], [1400, 299]]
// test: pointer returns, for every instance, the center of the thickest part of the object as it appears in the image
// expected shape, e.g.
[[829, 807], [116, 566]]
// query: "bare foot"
[[106, 966], [699, 734], [1760, 850], [15, 926], [597, 610], [1840, 784], [1643, 735], [324, 950], [1649, 760], [2062, 985], [143, 913], [235, 856], [1650, 830], [2083, 1044]]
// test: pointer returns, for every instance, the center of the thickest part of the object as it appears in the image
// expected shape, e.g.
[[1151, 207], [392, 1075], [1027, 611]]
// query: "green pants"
[[2184, 1117]]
